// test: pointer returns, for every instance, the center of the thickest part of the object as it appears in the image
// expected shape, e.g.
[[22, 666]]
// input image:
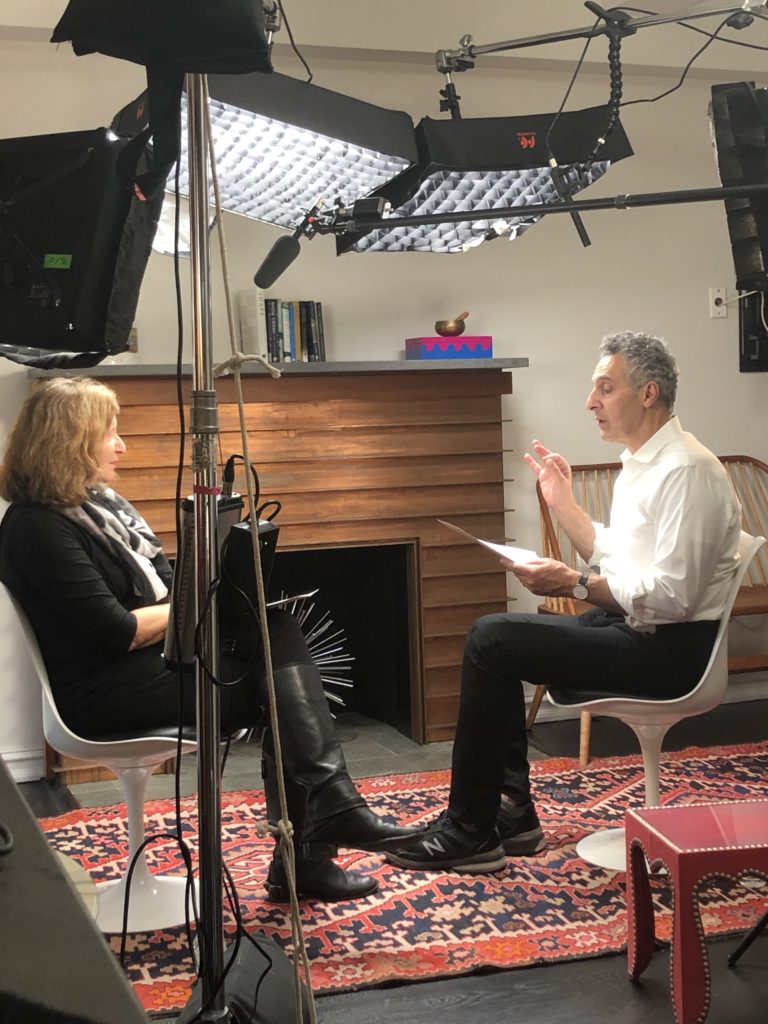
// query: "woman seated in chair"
[[94, 583]]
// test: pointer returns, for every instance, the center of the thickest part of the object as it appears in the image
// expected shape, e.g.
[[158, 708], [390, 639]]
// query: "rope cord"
[[284, 828]]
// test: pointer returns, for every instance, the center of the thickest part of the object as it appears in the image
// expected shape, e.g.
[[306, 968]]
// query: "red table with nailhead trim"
[[694, 843]]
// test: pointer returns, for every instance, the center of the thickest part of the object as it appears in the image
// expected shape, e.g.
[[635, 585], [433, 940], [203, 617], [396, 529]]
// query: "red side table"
[[694, 844]]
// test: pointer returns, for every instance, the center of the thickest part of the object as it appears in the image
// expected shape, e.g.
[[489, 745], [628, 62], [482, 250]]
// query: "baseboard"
[[740, 688], [25, 765]]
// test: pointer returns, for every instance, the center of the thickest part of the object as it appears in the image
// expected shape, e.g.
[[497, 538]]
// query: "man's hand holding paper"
[[544, 576]]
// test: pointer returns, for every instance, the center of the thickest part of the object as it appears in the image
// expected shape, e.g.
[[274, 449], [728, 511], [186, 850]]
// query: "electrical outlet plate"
[[717, 303]]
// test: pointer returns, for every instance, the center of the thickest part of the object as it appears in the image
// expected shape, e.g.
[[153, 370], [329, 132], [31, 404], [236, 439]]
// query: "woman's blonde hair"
[[51, 456]]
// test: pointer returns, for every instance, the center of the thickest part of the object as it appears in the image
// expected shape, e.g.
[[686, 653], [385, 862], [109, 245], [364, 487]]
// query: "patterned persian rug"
[[420, 925]]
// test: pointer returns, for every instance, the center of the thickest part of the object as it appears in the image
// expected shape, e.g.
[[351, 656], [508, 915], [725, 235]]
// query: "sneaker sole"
[[495, 860], [525, 843]]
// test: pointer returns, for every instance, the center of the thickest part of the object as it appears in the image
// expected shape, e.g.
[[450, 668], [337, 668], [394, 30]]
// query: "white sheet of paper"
[[513, 554]]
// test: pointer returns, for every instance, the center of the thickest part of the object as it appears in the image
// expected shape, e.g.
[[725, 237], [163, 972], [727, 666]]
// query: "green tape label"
[[57, 261]]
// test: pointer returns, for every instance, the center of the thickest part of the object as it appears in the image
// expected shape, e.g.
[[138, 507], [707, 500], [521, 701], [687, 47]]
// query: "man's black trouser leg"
[[596, 652]]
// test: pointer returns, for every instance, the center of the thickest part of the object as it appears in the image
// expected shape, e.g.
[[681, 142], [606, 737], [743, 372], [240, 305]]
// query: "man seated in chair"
[[658, 577]]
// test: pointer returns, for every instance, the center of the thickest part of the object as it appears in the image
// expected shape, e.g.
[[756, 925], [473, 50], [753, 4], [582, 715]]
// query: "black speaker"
[[739, 118], [238, 597], [74, 245]]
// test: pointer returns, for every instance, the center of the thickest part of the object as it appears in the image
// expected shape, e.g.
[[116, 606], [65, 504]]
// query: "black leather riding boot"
[[317, 875], [315, 769], [322, 798]]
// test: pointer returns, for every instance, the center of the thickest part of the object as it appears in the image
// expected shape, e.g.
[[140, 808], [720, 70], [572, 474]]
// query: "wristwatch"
[[581, 590]]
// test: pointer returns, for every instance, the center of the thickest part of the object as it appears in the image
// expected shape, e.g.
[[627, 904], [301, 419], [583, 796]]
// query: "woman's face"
[[108, 454]]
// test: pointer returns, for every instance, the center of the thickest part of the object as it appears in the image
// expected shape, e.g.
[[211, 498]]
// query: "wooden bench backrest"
[[593, 489]]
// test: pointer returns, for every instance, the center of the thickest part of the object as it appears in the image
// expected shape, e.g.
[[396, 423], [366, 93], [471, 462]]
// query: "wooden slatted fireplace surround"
[[358, 458]]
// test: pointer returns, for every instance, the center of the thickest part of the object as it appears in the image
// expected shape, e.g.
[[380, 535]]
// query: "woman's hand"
[[545, 577], [553, 474], [151, 623]]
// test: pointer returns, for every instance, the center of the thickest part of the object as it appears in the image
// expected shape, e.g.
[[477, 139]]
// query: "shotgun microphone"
[[285, 250], [282, 254]]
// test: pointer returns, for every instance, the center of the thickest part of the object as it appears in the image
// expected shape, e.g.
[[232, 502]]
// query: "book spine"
[[306, 341], [289, 343], [261, 324], [296, 320], [320, 332], [251, 322], [314, 349], [273, 330]]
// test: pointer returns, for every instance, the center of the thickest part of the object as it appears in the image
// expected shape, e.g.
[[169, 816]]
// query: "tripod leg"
[[747, 941]]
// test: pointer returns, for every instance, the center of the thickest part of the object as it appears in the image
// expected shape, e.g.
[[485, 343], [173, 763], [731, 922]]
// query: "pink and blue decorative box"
[[462, 347]]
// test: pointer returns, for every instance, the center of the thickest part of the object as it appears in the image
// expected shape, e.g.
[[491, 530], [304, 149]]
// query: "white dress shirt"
[[670, 551]]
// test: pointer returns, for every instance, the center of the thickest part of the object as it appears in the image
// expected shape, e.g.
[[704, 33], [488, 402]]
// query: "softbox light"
[[739, 122], [73, 249], [282, 143], [478, 164]]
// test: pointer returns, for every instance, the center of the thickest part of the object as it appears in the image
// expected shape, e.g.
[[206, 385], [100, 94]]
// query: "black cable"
[[686, 69], [190, 889], [571, 84], [6, 839], [176, 581], [199, 653], [240, 934], [229, 476], [273, 504], [187, 858], [723, 39], [293, 42], [703, 31], [556, 172], [182, 845]]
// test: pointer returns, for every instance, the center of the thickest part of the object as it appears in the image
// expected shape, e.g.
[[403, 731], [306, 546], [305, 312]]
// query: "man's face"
[[617, 406]]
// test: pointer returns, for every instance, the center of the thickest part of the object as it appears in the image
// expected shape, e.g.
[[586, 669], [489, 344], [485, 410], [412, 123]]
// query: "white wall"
[[542, 296]]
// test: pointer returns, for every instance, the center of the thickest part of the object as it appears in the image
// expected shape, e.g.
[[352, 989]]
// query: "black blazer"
[[77, 595]]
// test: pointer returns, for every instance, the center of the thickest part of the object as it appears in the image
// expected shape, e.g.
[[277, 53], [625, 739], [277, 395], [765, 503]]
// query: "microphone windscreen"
[[283, 252]]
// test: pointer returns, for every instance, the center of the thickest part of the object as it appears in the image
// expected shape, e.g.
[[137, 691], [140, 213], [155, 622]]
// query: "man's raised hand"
[[553, 473]]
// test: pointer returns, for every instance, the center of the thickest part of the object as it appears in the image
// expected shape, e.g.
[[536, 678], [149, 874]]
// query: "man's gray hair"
[[648, 359]]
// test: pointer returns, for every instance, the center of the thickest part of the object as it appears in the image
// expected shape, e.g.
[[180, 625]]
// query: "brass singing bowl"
[[451, 328]]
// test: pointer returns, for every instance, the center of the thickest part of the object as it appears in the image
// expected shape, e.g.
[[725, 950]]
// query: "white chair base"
[[604, 849], [157, 901]]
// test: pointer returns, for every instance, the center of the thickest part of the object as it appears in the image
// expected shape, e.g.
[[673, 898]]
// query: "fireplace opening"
[[367, 591]]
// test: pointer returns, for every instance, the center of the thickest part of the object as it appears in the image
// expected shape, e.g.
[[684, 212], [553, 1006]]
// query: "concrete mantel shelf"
[[105, 369]]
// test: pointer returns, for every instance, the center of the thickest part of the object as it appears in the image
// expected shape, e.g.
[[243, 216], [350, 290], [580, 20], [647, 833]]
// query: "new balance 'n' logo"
[[433, 846]]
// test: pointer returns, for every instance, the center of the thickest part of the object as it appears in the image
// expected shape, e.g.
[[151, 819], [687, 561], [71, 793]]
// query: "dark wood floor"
[[597, 990]]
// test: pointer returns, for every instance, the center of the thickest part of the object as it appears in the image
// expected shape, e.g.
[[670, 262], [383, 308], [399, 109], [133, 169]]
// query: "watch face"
[[580, 592]]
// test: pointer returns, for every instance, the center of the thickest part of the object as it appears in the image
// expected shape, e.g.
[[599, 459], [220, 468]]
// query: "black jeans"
[[596, 653]]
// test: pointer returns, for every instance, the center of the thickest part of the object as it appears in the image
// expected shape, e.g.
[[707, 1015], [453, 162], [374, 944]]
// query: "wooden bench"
[[593, 488]]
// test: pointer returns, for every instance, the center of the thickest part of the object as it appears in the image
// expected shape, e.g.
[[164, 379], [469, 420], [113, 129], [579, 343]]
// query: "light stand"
[[204, 429], [225, 992]]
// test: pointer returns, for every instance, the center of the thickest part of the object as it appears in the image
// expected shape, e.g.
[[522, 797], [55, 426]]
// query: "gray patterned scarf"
[[116, 524]]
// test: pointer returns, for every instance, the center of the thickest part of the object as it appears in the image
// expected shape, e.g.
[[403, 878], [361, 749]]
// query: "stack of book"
[[279, 330], [294, 331]]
